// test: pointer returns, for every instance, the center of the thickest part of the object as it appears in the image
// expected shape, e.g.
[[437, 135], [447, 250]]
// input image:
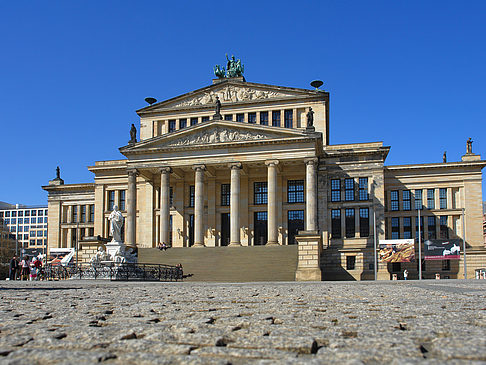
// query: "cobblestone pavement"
[[78, 322]]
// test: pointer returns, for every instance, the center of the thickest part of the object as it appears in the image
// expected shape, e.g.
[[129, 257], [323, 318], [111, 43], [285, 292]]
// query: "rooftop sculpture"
[[234, 68]]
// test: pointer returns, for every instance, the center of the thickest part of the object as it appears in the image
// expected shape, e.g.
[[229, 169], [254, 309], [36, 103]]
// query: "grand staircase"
[[228, 264]]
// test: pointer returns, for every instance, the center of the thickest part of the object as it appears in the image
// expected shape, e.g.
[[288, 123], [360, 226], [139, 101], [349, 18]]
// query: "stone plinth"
[[309, 262], [89, 247]]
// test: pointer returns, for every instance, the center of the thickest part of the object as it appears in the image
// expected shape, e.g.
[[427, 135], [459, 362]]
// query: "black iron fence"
[[113, 271]]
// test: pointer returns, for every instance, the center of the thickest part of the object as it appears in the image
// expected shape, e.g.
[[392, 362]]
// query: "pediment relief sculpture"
[[230, 94], [217, 135]]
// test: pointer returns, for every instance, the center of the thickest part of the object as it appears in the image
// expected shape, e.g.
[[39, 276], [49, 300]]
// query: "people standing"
[[13, 268], [405, 274], [25, 268]]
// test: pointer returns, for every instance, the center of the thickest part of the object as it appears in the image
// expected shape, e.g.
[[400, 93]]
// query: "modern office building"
[[238, 163]]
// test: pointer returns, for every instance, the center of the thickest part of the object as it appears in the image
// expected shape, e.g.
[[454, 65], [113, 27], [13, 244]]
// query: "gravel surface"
[[66, 322]]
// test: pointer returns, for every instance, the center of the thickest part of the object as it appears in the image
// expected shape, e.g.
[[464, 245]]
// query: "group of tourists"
[[25, 269]]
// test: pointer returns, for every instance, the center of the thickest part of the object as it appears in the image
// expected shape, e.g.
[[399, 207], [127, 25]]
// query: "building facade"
[[239, 163]]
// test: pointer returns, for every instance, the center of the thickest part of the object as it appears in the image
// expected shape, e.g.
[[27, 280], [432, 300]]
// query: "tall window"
[[446, 265], [418, 199], [364, 222], [295, 191], [111, 199], [350, 262], [91, 213], [444, 230], [350, 227], [83, 213], [122, 200], [182, 123], [260, 193], [193, 121], [395, 222], [336, 223], [406, 200], [252, 118], [407, 227], [288, 118], [171, 196], [443, 198], [225, 194], [191, 195], [349, 189], [430, 198], [205, 119], [394, 200], [335, 190], [264, 118], [75, 213], [240, 117], [228, 117], [432, 232], [276, 118], [363, 188], [421, 228], [172, 125]]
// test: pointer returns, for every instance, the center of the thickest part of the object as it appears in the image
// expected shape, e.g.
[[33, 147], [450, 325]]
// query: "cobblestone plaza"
[[66, 322]]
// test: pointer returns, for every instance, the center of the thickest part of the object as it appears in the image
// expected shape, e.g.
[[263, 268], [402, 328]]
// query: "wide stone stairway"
[[228, 264]]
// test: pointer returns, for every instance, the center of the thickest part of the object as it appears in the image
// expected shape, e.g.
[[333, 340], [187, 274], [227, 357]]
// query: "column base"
[[198, 245], [308, 275], [271, 243], [233, 244]]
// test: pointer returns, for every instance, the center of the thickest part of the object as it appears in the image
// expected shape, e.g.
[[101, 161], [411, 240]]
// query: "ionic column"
[[131, 223], [164, 204], [235, 205], [199, 206], [311, 194], [272, 202]]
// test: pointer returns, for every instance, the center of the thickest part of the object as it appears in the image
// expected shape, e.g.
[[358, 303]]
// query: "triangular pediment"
[[214, 133], [229, 92]]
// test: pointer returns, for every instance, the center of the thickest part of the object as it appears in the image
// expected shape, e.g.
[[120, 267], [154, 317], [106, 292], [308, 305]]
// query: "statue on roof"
[[58, 172], [444, 157], [469, 146], [234, 68], [133, 135]]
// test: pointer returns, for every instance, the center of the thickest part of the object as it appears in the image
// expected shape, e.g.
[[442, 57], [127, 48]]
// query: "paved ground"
[[79, 322]]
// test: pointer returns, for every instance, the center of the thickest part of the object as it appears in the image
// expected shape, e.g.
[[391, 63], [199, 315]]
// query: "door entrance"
[[295, 223], [225, 229], [260, 223], [191, 230]]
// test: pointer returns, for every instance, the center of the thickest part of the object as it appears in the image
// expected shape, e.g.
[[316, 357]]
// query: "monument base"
[[309, 262]]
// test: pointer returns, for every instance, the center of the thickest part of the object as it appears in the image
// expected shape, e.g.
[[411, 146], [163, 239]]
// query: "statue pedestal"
[[115, 248]]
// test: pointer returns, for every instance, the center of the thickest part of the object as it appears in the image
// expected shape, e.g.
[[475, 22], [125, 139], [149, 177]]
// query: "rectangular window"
[[193, 121], [418, 199], [192, 190], [32, 220], [350, 227], [364, 222], [264, 118], [75, 213], [225, 194], [252, 118], [240, 117], [260, 193], [33, 213], [336, 223], [39, 213], [443, 198], [432, 232], [111, 200], [431, 198], [21, 214], [421, 228], [444, 230], [205, 119], [27, 213], [395, 222], [363, 188], [228, 117], [91, 213], [122, 200], [13, 221], [1, 214], [171, 196], [350, 262], [172, 125], [182, 123], [394, 200], [335, 190], [276, 118], [288, 118], [407, 227], [406, 200], [349, 189], [91, 232], [446, 265], [83, 213], [295, 191]]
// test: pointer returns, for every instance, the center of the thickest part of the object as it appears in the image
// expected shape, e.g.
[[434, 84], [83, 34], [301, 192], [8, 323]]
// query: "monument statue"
[[116, 224], [58, 172], [444, 157], [310, 118], [234, 68], [217, 114], [219, 71], [469, 146], [133, 134]]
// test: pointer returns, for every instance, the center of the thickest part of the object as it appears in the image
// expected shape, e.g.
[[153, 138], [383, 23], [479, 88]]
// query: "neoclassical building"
[[240, 163]]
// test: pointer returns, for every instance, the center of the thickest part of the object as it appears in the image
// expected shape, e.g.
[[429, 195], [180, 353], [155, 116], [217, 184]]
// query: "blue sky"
[[72, 73]]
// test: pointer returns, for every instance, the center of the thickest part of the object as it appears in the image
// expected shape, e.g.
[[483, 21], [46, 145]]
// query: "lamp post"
[[464, 242], [375, 263]]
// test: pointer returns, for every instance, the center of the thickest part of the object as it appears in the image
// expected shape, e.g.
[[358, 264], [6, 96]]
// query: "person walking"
[[25, 266], [13, 268], [405, 274]]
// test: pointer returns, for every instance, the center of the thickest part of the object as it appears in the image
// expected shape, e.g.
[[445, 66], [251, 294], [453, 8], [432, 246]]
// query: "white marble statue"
[[116, 224]]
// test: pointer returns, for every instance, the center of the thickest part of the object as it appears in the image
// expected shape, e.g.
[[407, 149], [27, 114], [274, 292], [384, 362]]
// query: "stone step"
[[228, 264]]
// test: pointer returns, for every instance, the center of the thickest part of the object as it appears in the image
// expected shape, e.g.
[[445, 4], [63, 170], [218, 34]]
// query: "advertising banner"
[[397, 250], [442, 249]]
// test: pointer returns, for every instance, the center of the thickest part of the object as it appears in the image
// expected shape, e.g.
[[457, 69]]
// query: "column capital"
[[132, 172], [199, 167], [311, 161], [235, 165], [271, 162], [165, 170]]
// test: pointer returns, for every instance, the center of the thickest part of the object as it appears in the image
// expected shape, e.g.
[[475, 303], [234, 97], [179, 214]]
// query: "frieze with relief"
[[217, 135], [230, 94]]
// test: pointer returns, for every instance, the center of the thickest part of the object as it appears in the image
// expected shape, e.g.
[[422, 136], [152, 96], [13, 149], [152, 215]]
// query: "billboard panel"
[[397, 250], [442, 249]]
